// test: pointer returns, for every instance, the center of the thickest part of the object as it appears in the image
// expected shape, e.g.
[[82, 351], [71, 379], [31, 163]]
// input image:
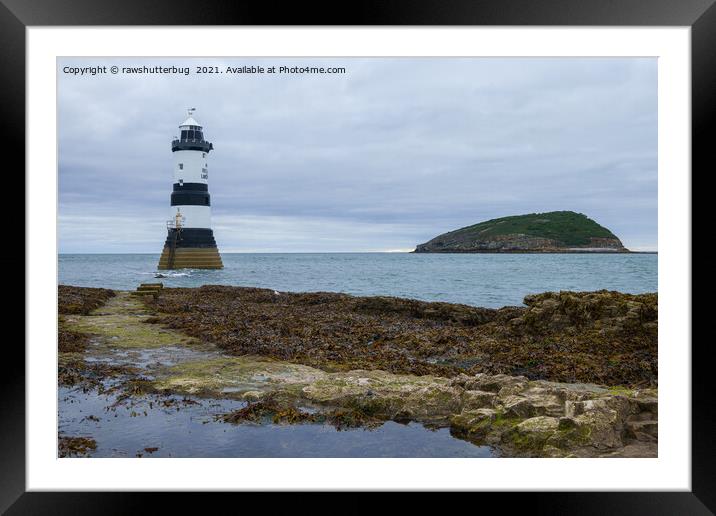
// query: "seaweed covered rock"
[[81, 300], [590, 337], [600, 337], [329, 330], [69, 341], [606, 311], [77, 301], [75, 446], [437, 311]]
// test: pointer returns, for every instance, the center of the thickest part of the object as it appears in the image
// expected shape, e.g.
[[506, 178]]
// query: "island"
[[551, 232]]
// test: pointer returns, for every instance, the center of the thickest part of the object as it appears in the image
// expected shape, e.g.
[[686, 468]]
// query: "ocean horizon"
[[489, 280]]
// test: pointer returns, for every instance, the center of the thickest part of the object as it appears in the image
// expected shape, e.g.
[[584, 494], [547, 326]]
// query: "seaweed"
[[75, 446], [269, 408], [81, 300], [69, 341], [599, 337]]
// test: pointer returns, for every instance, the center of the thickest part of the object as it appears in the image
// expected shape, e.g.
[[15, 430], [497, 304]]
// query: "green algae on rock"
[[69, 341], [578, 420], [122, 322], [245, 376]]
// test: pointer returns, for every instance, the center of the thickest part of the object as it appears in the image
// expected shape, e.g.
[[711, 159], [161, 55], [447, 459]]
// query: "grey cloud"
[[383, 157]]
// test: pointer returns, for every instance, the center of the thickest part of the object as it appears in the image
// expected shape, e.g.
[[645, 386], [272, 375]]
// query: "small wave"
[[170, 274]]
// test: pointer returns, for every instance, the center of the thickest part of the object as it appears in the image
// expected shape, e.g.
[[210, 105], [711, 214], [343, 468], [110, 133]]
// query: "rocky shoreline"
[[434, 363], [540, 250]]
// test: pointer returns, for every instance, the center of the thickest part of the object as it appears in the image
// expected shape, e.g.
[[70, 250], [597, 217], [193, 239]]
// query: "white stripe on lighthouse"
[[191, 166], [194, 216]]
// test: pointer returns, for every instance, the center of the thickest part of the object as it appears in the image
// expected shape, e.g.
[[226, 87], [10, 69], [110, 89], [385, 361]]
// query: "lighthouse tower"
[[190, 241]]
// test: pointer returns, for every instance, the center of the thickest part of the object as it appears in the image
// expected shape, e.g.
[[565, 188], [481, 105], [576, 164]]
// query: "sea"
[[488, 280]]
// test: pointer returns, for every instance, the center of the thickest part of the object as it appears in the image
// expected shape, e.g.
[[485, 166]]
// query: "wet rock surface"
[[131, 353]]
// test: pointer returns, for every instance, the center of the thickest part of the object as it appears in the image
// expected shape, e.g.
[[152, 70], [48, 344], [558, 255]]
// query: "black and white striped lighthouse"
[[190, 240]]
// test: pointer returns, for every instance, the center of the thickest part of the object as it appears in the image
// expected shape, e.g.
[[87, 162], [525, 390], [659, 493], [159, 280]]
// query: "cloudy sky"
[[380, 158]]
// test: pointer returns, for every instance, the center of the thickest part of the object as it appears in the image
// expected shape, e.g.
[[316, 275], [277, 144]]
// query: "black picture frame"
[[699, 15]]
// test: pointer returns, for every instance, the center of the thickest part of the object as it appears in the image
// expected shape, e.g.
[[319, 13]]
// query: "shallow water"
[[189, 430], [490, 280]]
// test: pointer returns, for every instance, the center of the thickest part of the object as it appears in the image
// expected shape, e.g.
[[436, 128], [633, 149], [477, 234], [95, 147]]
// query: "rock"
[[519, 407], [539, 424], [546, 401], [390, 396], [533, 402], [495, 383], [553, 452], [462, 380], [473, 422], [643, 430], [602, 419], [532, 433], [478, 399], [602, 427], [648, 405], [513, 388], [570, 435], [567, 423], [620, 404], [642, 416], [636, 449]]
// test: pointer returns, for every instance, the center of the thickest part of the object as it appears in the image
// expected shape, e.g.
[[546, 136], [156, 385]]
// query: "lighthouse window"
[[191, 135], [183, 135], [181, 166]]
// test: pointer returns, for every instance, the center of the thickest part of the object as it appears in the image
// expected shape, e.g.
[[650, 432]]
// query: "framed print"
[[420, 249]]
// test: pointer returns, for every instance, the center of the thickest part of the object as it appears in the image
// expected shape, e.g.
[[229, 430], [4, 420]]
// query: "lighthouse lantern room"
[[190, 240]]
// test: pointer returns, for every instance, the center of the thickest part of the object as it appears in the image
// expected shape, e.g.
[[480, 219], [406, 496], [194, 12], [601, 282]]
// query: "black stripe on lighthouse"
[[190, 187], [191, 237], [191, 199]]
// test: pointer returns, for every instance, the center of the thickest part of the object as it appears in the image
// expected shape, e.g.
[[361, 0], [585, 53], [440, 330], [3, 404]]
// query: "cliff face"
[[553, 232]]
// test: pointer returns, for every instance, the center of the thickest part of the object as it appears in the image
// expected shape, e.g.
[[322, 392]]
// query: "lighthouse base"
[[190, 258], [190, 248]]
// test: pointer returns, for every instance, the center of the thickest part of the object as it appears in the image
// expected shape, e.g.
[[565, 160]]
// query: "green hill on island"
[[555, 232]]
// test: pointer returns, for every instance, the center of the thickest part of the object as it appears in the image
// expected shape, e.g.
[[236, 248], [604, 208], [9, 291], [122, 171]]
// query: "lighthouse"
[[190, 240]]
